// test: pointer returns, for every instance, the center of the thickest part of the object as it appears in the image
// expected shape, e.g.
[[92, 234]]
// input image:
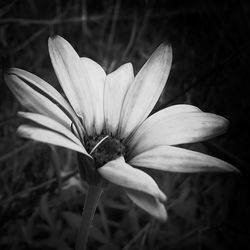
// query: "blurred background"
[[41, 197]]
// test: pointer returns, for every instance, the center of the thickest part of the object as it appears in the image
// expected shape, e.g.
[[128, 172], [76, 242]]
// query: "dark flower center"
[[109, 149]]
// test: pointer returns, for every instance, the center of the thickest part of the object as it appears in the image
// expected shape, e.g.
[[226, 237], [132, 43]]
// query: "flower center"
[[109, 149]]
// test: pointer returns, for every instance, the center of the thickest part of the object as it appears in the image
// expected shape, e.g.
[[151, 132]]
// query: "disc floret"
[[109, 149]]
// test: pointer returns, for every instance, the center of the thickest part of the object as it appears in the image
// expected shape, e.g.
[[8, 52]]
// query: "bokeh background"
[[40, 195]]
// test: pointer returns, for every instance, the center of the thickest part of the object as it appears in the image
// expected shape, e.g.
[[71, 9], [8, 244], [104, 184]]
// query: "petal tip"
[[223, 124], [162, 196], [21, 113], [9, 78], [162, 216], [54, 37], [21, 132], [233, 169], [166, 50], [10, 71], [53, 40], [226, 124]]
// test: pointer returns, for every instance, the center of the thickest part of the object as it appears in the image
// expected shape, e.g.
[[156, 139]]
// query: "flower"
[[105, 118]]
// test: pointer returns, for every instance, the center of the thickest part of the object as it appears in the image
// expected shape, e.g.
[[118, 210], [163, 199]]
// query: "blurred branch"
[[40, 186], [28, 41], [202, 79], [113, 25], [16, 151], [28, 21], [132, 38], [137, 236], [6, 8], [9, 119], [84, 13], [217, 68]]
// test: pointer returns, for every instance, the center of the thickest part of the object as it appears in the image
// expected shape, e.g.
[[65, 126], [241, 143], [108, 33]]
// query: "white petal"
[[47, 91], [48, 136], [97, 78], [164, 114], [173, 159], [149, 204], [34, 101], [178, 129], [120, 173], [74, 79], [116, 86], [145, 91], [51, 124]]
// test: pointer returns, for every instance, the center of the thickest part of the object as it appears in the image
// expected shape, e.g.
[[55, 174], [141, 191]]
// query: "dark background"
[[211, 69]]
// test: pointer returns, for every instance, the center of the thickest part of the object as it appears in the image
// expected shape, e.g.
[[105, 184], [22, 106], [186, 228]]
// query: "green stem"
[[91, 201]]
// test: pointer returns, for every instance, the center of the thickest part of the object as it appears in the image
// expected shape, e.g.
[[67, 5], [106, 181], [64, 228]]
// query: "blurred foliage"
[[41, 197]]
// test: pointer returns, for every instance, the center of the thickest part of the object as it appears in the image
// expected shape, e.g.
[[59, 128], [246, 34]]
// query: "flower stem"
[[91, 201]]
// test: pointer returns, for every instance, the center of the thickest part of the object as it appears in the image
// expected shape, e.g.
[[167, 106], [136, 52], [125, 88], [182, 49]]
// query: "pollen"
[[108, 150]]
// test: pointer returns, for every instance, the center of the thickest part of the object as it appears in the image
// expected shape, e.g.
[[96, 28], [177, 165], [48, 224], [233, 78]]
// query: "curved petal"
[[120, 173], [34, 101], [116, 86], [48, 136], [51, 124], [74, 79], [97, 78], [149, 203], [173, 159], [145, 91], [178, 129], [48, 91], [166, 114]]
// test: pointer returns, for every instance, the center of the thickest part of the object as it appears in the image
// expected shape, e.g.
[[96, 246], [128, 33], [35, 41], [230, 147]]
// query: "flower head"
[[105, 119]]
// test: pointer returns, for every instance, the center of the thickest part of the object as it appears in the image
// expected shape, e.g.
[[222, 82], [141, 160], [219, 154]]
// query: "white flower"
[[105, 119]]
